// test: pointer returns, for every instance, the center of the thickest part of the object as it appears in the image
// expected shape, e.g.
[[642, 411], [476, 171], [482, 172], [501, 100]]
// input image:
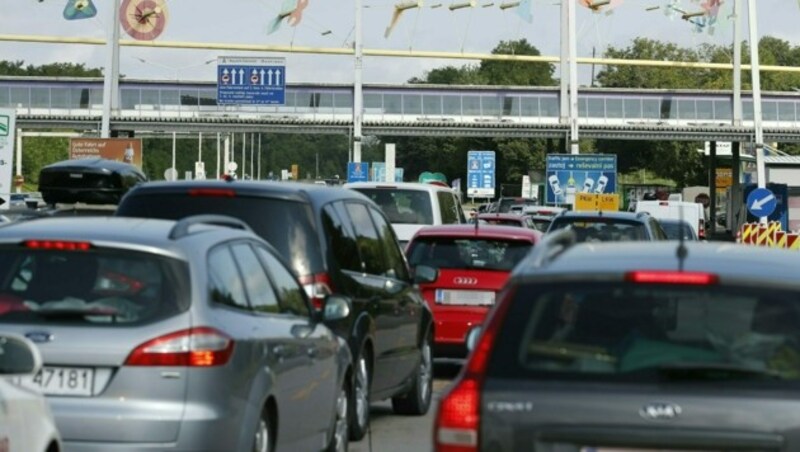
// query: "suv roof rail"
[[181, 228], [552, 245]]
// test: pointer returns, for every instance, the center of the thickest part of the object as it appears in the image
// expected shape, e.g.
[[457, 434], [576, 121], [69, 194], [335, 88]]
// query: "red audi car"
[[472, 265]]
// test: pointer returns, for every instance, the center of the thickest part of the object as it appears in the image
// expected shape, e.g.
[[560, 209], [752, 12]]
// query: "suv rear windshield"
[[98, 286], [602, 229], [619, 332], [402, 206], [287, 225], [480, 254]]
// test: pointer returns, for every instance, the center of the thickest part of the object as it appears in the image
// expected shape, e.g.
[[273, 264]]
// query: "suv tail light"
[[59, 245], [458, 418], [701, 229], [317, 287], [671, 277], [194, 347]]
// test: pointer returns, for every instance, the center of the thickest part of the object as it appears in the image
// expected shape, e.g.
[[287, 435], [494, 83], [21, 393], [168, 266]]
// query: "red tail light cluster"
[[317, 287], [213, 192], [458, 419], [194, 347], [59, 245]]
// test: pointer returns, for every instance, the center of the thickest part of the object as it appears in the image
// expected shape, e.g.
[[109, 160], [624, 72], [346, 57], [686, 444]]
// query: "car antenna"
[[682, 251]]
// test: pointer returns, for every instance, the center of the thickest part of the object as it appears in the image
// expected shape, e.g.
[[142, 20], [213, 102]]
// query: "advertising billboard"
[[128, 150], [570, 174]]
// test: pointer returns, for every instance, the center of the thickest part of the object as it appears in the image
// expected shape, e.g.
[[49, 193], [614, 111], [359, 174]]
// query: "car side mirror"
[[472, 338], [337, 307], [18, 356], [424, 274]]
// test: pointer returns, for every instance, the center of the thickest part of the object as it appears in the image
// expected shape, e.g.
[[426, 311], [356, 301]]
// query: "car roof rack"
[[181, 228], [552, 245]]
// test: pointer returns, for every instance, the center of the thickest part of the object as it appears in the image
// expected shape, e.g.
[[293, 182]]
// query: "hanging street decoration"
[[292, 11], [597, 6], [143, 20], [398, 11], [79, 9]]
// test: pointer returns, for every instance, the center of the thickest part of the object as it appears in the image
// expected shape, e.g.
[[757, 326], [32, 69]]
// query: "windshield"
[[650, 333], [483, 254], [602, 229], [402, 206], [96, 286], [674, 230]]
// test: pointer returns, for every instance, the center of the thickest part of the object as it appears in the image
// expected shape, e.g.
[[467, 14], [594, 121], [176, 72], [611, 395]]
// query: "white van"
[[410, 205], [691, 212]]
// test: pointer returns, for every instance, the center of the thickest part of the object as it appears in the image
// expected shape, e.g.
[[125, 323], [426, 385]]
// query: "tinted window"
[[602, 229], [402, 206], [448, 207], [256, 283], [291, 295], [394, 257], [675, 229], [657, 230], [483, 254], [654, 333], [369, 245], [293, 235], [341, 239], [514, 222], [225, 283], [113, 287]]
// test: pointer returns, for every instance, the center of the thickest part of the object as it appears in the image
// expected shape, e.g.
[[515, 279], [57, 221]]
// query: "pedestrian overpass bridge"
[[152, 107]]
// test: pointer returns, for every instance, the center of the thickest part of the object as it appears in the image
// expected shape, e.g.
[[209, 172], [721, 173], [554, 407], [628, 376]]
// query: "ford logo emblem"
[[39, 337], [660, 411], [465, 281]]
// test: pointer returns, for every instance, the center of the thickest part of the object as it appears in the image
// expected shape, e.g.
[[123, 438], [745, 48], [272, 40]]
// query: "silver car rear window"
[[402, 206], [650, 333], [95, 286]]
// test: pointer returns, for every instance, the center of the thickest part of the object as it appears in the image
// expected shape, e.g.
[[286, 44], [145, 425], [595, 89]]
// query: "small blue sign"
[[569, 174], [378, 172], [357, 172], [761, 202], [481, 174], [251, 81]]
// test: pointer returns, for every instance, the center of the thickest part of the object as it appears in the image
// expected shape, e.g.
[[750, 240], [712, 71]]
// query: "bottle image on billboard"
[[571, 189], [601, 184], [588, 183]]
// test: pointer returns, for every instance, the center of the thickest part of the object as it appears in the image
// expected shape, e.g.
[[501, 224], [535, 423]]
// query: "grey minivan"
[[169, 335]]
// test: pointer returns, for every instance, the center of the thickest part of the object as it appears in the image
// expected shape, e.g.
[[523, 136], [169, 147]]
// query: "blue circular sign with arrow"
[[761, 202]]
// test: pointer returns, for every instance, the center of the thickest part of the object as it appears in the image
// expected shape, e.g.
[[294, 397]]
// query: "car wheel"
[[418, 399], [359, 418], [264, 436], [341, 423]]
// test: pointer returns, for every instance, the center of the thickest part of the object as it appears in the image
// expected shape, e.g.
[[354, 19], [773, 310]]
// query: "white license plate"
[[465, 297], [68, 381]]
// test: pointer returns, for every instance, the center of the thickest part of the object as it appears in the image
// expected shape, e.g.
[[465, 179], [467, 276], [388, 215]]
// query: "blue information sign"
[[357, 172], [481, 170], [378, 172], [568, 174], [761, 202], [251, 81]]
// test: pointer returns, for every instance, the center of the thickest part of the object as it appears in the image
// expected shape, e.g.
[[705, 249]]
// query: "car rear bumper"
[[452, 326]]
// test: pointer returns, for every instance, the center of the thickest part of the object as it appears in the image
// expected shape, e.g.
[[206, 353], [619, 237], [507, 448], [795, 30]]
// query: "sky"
[[467, 30]]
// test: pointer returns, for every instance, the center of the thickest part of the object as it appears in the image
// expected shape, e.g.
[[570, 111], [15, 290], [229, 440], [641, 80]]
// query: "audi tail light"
[[457, 424], [193, 347], [317, 287]]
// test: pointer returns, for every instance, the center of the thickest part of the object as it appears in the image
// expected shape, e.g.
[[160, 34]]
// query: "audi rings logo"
[[465, 281]]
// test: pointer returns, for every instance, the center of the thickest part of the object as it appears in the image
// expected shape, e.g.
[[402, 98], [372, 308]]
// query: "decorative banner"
[[127, 150], [398, 11], [143, 20], [600, 5], [7, 130], [79, 9], [293, 9]]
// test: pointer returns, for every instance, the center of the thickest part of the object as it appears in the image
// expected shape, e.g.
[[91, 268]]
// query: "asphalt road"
[[392, 433]]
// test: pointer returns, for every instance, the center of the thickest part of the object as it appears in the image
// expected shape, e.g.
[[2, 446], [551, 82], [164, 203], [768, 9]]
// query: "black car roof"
[[312, 193]]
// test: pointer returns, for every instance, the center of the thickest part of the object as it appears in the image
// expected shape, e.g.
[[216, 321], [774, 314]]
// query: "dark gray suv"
[[626, 346], [337, 241], [609, 226]]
